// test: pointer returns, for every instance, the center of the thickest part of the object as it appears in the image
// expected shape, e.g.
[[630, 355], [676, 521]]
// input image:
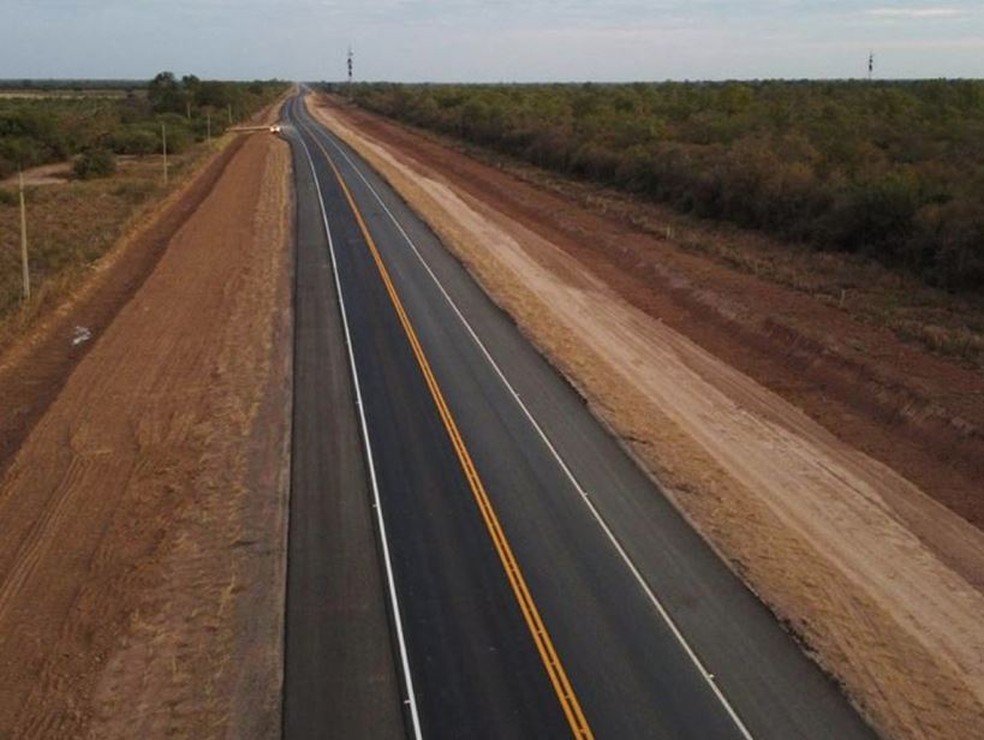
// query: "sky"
[[490, 40]]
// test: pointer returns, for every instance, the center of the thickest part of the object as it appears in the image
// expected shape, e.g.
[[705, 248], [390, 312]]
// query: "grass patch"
[[72, 225]]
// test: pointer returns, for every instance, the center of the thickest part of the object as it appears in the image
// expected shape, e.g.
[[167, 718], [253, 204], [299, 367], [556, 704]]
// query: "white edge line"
[[404, 658], [563, 465]]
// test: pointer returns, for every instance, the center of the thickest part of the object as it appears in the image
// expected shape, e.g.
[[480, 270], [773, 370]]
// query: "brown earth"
[[49, 174], [34, 368], [144, 477], [816, 468]]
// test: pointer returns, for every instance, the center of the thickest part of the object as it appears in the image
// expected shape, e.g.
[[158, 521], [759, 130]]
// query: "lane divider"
[[663, 612], [411, 701], [538, 630]]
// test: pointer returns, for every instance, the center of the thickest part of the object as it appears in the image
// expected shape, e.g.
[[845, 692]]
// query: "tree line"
[[92, 130], [891, 170]]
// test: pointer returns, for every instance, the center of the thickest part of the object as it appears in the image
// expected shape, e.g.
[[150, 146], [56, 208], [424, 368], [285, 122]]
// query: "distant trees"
[[891, 170], [38, 131], [166, 94], [31, 135], [191, 96]]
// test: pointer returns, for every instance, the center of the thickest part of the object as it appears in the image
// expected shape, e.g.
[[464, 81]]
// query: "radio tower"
[[871, 65], [350, 57]]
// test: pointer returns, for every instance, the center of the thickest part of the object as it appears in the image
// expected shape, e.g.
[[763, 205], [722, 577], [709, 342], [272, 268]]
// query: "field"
[[93, 165]]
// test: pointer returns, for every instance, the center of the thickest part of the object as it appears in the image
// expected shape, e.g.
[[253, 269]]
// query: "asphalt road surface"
[[471, 554]]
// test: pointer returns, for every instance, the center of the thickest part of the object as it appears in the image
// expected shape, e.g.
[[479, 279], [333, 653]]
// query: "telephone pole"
[[164, 149], [25, 269], [350, 57]]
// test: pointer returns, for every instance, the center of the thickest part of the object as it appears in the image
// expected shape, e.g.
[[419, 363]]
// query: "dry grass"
[[72, 225]]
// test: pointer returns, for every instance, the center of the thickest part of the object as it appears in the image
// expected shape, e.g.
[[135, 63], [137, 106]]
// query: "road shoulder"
[[143, 571]]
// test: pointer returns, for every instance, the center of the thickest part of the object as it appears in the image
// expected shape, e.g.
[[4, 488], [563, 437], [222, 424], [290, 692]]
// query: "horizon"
[[14, 82], [467, 41]]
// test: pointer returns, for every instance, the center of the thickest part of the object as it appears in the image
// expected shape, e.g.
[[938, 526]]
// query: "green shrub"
[[94, 163], [136, 139]]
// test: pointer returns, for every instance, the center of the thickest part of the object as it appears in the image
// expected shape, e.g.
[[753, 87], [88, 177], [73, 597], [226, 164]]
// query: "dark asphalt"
[[339, 678], [474, 667]]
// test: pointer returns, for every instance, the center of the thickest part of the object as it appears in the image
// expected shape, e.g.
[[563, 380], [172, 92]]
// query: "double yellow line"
[[538, 630]]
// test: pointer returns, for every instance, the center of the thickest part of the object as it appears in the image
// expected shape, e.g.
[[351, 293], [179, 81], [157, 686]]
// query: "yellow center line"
[[538, 630]]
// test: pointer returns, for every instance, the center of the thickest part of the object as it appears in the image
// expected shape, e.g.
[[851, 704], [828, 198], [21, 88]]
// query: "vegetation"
[[71, 225], [40, 129], [890, 170], [94, 163]]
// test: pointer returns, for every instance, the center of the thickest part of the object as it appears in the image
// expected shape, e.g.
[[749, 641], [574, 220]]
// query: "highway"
[[471, 554]]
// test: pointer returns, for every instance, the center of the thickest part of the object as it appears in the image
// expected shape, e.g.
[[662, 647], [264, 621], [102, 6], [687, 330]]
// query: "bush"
[[94, 163], [136, 139], [844, 166]]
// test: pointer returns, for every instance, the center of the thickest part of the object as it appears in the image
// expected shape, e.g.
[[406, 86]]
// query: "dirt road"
[[881, 581], [141, 563]]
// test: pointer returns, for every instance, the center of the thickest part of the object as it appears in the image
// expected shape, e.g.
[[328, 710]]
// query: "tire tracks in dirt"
[[143, 512], [34, 370]]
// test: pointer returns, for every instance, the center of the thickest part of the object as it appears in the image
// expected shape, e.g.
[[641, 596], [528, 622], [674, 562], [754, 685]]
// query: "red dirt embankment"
[[706, 374], [143, 514], [34, 369]]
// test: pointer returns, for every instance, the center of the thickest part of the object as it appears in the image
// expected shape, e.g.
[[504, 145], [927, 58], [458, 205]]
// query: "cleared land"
[[142, 492], [881, 581], [141, 568]]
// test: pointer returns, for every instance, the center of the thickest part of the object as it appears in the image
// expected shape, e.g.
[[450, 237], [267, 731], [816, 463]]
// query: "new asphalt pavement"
[[471, 554]]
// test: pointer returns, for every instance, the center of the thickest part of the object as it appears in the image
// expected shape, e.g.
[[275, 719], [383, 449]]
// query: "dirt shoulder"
[[827, 475], [143, 501], [34, 368]]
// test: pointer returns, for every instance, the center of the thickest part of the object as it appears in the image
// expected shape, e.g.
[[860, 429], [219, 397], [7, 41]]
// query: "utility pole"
[[350, 57], [25, 269], [164, 149], [871, 65]]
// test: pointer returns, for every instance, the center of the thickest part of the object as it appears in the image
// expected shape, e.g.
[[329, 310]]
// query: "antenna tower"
[[871, 65]]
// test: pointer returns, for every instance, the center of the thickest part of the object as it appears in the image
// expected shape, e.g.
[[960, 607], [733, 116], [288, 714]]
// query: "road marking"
[[538, 630], [633, 568], [411, 699]]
